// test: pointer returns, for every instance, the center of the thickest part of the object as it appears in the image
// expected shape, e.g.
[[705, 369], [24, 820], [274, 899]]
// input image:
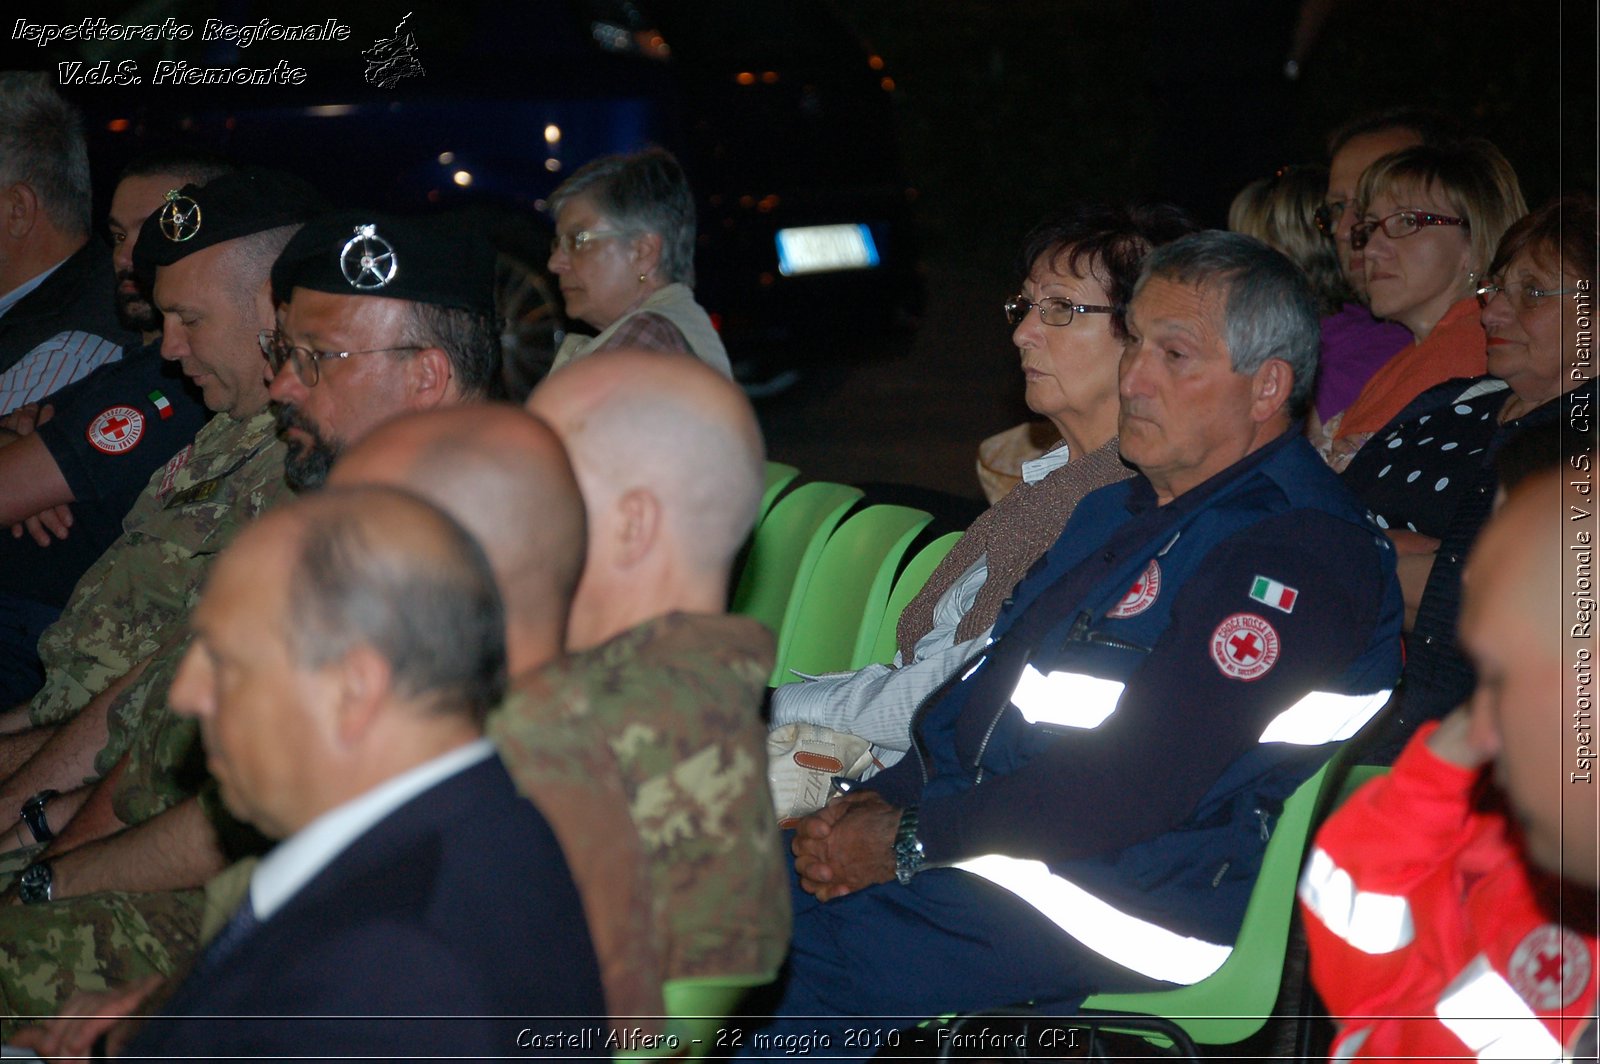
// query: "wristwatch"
[[33, 816], [33, 886], [908, 857]]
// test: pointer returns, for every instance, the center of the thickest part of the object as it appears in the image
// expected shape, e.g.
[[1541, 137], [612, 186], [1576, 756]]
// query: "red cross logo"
[[1244, 646], [1547, 967], [116, 430], [1141, 595], [1550, 967]]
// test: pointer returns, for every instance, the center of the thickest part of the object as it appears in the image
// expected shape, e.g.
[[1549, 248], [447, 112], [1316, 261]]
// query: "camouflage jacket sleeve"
[[145, 584]]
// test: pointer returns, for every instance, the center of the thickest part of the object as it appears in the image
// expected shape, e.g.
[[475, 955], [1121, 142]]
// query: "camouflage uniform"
[[648, 752], [146, 584], [166, 762], [49, 952]]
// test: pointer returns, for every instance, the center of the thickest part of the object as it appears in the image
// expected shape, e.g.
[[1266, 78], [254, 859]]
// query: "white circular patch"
[[1550, 967], [116, 430], [1141, 595], [1244, 646]]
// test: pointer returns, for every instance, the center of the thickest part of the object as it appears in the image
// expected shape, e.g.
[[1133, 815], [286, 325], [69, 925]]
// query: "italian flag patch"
[[1271, 593], [163, 405]]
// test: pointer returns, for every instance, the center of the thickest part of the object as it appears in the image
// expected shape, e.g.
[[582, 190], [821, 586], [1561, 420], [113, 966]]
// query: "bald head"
[[504, 476], [670, 460], [1531, 646]]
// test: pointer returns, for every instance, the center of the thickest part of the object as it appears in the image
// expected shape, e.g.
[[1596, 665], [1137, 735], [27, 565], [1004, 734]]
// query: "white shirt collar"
[[13, 297], [1036, 469], [295, 861]]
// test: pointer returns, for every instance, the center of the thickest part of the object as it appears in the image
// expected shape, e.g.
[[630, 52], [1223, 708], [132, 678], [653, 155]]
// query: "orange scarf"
[[1455, 348]]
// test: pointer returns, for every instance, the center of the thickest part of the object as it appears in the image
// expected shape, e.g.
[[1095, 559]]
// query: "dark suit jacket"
[[455, 909]]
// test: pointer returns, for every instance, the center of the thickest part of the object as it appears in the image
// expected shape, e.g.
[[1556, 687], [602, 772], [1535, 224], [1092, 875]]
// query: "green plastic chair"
[[697, 1010], [842, 606], [784, 551], [779, 476], [911, 580], [1236, 1001]]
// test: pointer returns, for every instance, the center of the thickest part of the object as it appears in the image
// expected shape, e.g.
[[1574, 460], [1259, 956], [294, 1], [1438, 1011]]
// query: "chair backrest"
[[911, 580], [842, 605], [1235, 1001], [779, 476], [783, 551]]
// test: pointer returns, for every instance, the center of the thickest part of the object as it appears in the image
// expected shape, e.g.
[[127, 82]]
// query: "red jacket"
[[1430, 935]]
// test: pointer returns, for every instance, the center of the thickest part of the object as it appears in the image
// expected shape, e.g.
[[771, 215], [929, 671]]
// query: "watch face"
[[33, 886]]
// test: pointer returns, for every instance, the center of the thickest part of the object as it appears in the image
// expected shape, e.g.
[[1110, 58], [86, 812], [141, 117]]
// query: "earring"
[[642, 278]]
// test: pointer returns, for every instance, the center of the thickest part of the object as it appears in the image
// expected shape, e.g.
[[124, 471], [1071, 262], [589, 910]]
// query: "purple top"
[[1354, 345]]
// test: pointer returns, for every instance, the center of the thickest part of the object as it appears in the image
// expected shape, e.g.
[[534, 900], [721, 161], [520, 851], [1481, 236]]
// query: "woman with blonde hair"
[[1281, 212], [1431, 217]]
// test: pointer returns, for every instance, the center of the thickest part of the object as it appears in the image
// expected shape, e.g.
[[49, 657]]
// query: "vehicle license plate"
[[820, 248]]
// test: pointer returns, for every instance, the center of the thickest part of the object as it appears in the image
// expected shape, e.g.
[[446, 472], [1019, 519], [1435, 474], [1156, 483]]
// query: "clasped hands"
[[846, 845]]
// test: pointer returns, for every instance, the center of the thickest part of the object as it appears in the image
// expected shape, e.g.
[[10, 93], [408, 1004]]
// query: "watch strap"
[[33, 815], [908, 854]]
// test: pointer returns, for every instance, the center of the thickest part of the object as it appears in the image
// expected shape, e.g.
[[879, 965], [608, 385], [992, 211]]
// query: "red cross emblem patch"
[[1141, 595], [116, 430], [1550, 968], [1244, 647]]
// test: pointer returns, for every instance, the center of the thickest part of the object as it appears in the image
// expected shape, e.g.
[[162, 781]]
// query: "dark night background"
[[1010, 108]]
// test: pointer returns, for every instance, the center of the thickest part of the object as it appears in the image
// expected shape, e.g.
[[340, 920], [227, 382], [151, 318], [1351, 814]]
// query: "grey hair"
[[42, 146], [434, 614], [1269, 311], [471, 340], [646, 191]]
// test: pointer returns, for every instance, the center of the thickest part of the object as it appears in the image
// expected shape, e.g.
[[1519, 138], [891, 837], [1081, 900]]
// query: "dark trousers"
[[891, 956], [22, 621]]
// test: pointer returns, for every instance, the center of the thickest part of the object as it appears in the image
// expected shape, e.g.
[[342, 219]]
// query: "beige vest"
[[675, 303]]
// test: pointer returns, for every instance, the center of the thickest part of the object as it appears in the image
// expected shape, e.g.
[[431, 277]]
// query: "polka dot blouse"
[[1411, 473]]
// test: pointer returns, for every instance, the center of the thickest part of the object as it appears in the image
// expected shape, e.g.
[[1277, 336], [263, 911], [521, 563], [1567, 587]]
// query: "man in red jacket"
[[1451, 905]]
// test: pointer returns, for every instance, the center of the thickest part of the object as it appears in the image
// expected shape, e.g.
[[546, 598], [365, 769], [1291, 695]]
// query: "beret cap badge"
[[368, 260], [180, 217]]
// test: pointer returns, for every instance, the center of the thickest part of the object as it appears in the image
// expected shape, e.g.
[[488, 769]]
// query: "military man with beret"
[[210, 249], [377, 317]]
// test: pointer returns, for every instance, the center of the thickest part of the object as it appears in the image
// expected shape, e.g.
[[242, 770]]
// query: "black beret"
[[239, 204], [438, 260]]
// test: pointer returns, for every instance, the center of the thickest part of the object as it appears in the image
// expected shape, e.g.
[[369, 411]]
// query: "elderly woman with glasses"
[[1078, 272], [1430, 219], [623, 255], [1428, 476]]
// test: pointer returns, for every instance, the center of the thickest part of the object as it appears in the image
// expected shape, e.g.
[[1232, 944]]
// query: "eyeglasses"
[[1327, 216], [1523, 297], [1052, 310], [572, 243], [305, 361], [1397, 225]]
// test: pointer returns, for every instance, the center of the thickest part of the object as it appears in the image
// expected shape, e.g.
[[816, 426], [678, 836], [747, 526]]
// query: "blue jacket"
[[1160, 682]]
